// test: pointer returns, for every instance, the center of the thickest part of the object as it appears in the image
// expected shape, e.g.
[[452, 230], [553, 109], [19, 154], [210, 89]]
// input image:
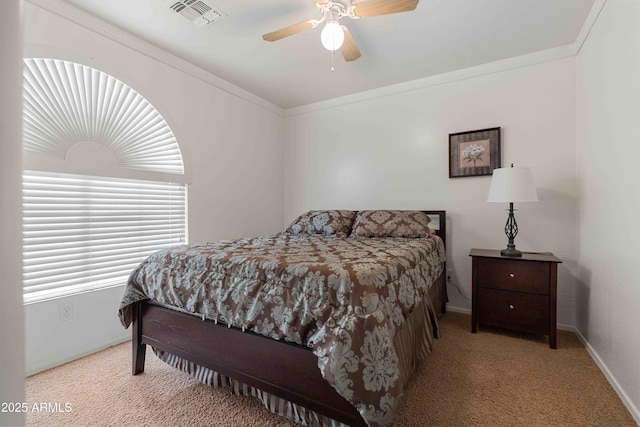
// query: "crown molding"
[[92, 23], [71, 13], [596, 9], [513, 63], [561, 52]]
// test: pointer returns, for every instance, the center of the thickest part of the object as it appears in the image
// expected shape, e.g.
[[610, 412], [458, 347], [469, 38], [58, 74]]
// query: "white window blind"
[[66, 103], [85, 232]]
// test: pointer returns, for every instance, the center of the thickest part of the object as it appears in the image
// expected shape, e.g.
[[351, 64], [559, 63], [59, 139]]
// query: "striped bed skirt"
[[413, 345]]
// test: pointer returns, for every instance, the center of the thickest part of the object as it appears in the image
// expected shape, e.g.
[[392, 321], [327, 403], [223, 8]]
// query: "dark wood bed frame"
[[286, 370]]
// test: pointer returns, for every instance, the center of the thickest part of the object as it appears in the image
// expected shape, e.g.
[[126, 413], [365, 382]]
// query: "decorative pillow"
[[326, 223], [390, 223]]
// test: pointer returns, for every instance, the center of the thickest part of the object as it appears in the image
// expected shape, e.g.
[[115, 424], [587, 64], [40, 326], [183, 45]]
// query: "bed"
[[325, 322]]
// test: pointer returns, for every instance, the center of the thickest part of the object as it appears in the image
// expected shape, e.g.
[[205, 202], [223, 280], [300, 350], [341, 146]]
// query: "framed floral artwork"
[[474, 153]]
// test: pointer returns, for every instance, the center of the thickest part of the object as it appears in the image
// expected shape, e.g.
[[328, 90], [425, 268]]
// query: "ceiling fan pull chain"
[[333, 34], [333, 52]]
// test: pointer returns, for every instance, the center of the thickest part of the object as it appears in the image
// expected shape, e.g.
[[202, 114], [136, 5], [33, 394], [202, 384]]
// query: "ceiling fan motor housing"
[[337, 8], [335, 36]]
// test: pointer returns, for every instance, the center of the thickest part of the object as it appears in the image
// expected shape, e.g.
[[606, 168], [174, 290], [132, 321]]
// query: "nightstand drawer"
[[514, 310], [522, 276]]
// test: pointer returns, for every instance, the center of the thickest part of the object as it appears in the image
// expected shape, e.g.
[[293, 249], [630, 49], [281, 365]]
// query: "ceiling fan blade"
[[383, 7], [290, 30], [350, 50]]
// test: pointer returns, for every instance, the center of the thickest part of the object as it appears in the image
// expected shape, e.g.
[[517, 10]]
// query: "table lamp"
[[512, 185]]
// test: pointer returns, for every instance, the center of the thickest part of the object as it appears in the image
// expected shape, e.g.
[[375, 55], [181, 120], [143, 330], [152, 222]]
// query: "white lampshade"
[[512, 185], [332, 36]]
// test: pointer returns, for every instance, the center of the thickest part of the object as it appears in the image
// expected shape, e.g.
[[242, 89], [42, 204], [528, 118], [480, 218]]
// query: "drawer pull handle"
[[512, 275], [511, 306]]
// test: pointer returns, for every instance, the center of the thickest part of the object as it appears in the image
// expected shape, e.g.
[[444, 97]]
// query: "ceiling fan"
[[335, 36]]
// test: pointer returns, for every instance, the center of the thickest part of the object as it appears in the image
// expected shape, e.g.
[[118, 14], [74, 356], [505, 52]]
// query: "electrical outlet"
[[65, 310], [449, 275]]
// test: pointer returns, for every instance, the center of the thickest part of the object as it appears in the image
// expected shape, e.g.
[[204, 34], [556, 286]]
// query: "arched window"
[[103, 185]]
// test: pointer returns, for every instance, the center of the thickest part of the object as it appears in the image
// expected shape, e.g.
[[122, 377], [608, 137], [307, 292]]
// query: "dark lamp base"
[[511, 252]]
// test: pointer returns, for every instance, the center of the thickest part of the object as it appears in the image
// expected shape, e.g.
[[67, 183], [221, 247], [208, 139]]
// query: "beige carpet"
[[490, 378]]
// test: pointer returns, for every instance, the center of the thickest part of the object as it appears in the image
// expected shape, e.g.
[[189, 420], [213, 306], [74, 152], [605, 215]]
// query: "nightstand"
[[517, 293]]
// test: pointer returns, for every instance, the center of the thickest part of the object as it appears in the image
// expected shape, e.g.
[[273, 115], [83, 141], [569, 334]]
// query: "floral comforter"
[[345, 298]]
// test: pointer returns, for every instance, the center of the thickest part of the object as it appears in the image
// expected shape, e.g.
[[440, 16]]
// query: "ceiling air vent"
[[198, 12]]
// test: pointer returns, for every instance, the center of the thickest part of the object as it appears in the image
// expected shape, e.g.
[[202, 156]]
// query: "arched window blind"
[[84, 232], [66, 103]]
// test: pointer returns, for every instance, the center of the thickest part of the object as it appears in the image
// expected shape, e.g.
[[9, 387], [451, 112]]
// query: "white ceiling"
[[438, 37]]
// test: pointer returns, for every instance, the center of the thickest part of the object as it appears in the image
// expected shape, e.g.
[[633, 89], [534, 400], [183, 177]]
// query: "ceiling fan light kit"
[[335, 36], [332, 36]]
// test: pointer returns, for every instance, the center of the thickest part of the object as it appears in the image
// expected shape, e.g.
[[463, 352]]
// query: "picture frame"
[[474, 153]]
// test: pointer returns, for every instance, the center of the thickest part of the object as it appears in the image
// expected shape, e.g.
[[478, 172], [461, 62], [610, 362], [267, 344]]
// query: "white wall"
[[12, 324], [390, 150], [231, 143], [570, 119], [608, 149]]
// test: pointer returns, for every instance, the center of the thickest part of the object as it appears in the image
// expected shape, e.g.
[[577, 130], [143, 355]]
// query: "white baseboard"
[[633, 409], [52, 364], [458, 309], [635, 413]]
